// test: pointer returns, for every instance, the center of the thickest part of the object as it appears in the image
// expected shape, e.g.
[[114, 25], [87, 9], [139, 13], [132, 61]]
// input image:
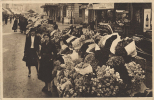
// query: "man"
[[23, 24], [50, 21], [6, 19], [92, 23], [55, 26], [10, 19]]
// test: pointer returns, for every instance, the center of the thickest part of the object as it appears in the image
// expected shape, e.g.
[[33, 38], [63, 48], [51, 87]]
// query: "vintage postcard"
[[76, 49]]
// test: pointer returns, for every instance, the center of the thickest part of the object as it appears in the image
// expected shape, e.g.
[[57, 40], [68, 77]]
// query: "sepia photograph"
[[77, 50]]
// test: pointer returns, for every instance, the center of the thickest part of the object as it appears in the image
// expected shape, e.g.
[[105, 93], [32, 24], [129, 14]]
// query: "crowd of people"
[[7, 17]]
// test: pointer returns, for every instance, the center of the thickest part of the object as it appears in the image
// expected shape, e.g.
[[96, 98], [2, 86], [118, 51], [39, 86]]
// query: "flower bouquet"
[[90, 59], [126, 47], [137, 75]]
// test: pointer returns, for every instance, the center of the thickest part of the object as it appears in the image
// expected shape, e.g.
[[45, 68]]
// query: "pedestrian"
[[50, 21], [6, 19], [55, 26], [15, 25], [23, 24], [31, 50], [92, 23], [10, 19], [47, 55]]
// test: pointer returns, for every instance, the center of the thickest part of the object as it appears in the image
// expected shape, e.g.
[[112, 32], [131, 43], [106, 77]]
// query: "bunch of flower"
[[82, 85], [60, 76], [82, 65], [77, 61], [58, 35], [115, 61], [69, 65], [120, 50], [107, 83], [136, 73], [88, 34], [67, 58], [70, 92], [90, 59], [82, 38], [56, 67]]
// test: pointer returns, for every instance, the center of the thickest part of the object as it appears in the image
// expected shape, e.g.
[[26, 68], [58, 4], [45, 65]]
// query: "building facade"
[[65, 13]]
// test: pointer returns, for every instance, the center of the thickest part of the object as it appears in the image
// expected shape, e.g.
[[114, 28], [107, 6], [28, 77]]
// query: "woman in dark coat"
[[23, 24], [15, 25], [48, 54], [31, 50]]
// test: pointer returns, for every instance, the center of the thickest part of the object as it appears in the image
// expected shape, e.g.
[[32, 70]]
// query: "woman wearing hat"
[[31, 49], [47, 55]]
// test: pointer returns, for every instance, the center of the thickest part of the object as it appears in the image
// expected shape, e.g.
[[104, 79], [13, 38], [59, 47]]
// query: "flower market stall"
[[99, 66], [95, 65]]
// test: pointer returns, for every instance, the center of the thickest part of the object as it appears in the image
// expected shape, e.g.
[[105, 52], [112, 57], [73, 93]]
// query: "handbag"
[[24, 58]]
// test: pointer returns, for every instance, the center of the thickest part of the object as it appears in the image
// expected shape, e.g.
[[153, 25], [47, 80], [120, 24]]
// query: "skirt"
[[32, 58], [45, 70]]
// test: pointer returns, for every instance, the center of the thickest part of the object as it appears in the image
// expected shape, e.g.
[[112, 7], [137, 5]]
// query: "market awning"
[[6, 10], [15, 12], [31, 11], [101, 6]]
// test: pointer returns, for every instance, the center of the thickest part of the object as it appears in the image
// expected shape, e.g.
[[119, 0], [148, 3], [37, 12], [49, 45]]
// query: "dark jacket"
[[55, 27], [15, 24], [48, 51], [28, 43]]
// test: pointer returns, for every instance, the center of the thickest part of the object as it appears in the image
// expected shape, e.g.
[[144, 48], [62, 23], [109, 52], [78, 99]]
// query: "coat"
[[48, 52], [15, 24], [31, 54], [23, 23]]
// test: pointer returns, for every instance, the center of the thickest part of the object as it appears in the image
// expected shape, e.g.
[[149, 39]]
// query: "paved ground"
[[16, 84]]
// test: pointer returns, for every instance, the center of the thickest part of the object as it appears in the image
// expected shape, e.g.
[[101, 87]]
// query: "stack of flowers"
[[137, 75], [107, 83], [90, 59], [83, 77]]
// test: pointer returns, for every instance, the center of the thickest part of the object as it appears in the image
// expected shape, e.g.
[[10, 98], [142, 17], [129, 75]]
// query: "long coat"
[[31, 53], [23, 23], [48, 52], [15, 24]]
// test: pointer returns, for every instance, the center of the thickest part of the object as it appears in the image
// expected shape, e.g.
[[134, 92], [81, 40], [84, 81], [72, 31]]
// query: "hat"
[[77, 26], [32, 29]]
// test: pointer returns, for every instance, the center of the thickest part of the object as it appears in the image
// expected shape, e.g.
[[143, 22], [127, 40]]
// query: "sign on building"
[[103, 6], [147, 19]]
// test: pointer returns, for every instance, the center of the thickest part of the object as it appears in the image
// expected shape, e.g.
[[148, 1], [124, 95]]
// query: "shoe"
[[45, 89], [29, 75], [49, 93]]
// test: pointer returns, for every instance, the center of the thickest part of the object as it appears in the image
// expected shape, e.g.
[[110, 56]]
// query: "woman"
[[31, 50], [48, 53], [15, 25], [56, 40]]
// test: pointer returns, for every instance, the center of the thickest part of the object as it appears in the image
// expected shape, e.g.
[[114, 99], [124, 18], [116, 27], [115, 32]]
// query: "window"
[[64, 11], [80, 11]]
